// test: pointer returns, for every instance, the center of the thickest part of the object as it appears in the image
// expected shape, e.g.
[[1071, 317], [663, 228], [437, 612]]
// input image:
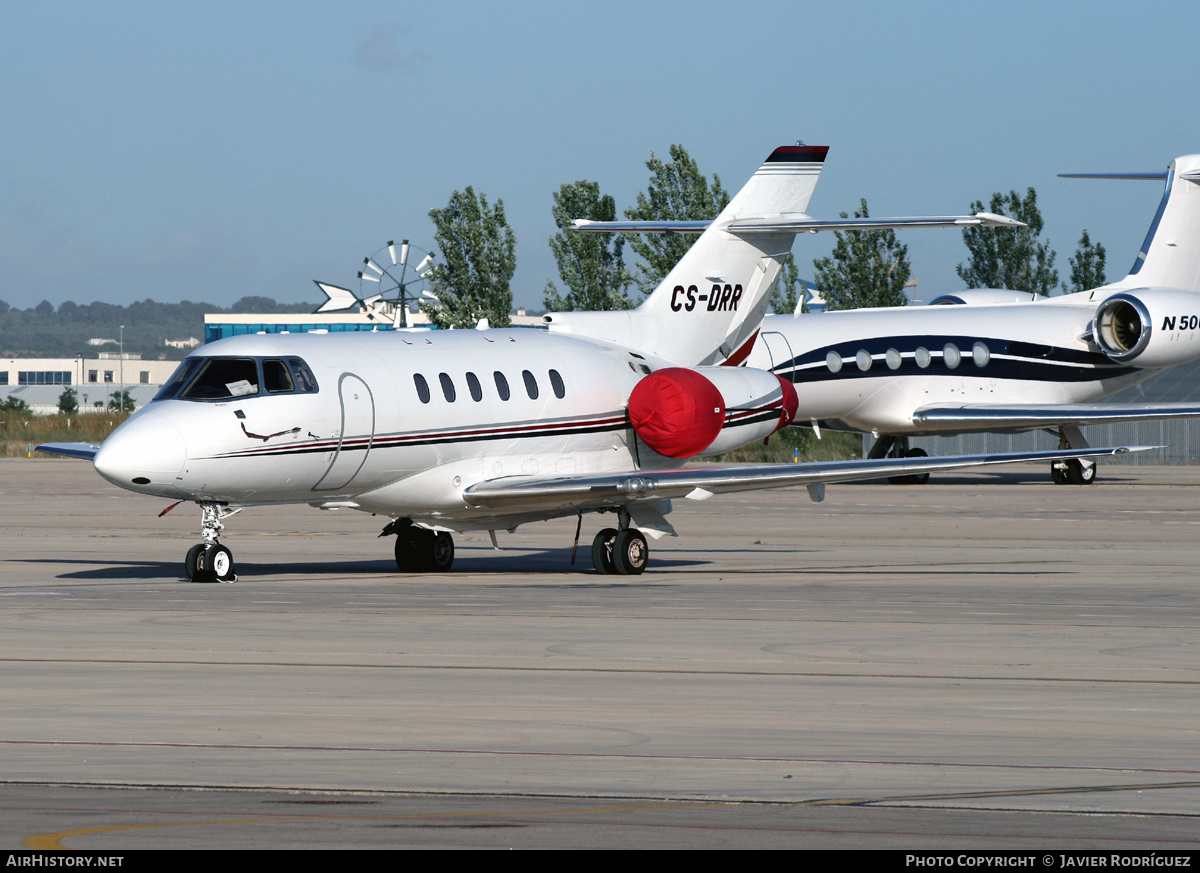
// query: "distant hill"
[[46, 332]]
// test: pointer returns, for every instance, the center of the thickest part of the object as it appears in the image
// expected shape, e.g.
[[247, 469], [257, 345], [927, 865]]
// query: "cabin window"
[[863, 359], [422, 387], [223, 379], [893, 359], [531, 387], [981, 354], [951, 355], [276, 378], [556, 382], [474, 387], [501, 385], [922, 357], [447, 387], [834, 362]]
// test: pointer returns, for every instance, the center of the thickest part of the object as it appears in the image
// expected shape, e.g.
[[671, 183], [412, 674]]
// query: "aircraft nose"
[[144, 454]]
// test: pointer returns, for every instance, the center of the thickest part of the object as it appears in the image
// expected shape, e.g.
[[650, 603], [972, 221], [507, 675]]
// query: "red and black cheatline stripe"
[[798, 154], [428, 438], [739, 417]]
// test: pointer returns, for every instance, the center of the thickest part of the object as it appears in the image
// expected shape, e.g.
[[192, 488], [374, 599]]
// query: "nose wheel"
[[210, 561]]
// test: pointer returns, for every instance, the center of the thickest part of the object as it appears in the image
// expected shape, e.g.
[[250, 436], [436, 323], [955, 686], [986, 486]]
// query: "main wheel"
[[1058, 474], [630, 552], [410, 551], [218, 560], [441, 552], [913, 478], [1080, 474], [602, 551], [194, 562]]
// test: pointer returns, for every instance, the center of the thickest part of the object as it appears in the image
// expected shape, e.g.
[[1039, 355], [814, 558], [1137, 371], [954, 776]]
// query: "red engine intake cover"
[[791, 402], [676, 412]]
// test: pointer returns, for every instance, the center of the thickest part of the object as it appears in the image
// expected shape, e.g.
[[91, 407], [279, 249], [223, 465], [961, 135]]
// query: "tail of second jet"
[[709, 307], [1151, 317]]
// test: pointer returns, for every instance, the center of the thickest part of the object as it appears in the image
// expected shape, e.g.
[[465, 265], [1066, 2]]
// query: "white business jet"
[[462, 430], [993, 363]]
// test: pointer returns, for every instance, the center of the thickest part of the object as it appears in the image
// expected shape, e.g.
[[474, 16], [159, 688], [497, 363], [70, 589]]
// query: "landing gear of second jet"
[[419, 550], [621, 552], [1073, 472], [897, 447], [210, 561], [1076, 471]]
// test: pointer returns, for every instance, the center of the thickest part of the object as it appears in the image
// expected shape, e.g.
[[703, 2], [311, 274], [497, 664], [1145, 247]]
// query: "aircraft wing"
[[981, 417], [797, 223], [702, 481], [87, 451]]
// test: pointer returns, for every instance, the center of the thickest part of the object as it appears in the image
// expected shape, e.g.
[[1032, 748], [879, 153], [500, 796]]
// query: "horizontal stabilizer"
[[593, 492], [982, 417], [87, 451], [796, 224]]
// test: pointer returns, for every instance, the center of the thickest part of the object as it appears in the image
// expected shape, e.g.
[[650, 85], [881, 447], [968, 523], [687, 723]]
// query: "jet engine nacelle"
[[1149, 327], [682, 413]]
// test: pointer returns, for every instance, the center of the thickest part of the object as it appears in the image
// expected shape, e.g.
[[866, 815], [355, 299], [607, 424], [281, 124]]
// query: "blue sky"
[[209, 151]]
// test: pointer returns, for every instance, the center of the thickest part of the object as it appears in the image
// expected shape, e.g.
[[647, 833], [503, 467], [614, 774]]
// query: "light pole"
[[121, 396]]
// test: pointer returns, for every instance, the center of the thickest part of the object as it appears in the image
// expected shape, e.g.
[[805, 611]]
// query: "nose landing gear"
[[210, 561]]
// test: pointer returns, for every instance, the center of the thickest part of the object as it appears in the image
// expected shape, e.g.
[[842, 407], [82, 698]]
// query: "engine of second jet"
[[1149, 327], [682, 413]]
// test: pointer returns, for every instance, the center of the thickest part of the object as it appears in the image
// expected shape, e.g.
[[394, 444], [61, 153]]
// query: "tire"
[[409, 550], [915, 478], [1058, 475], [602, 552], [441, 552], [1079, 474], [194, 562], [630, 552], [218, 561]]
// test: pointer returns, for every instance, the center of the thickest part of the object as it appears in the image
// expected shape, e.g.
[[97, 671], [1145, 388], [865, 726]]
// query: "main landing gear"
[[1076, 471], [419, 550], [621, 552], [897, 447], [210, 561]]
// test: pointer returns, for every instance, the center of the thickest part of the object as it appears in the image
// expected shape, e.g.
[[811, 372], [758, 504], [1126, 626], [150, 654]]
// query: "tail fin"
[[709, 307], [1170, 256]]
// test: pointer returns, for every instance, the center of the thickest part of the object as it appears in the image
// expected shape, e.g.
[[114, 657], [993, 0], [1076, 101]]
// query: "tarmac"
[[988, 661]]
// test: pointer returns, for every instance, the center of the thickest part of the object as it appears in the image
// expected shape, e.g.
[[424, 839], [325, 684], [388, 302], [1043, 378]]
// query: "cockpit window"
[[305, 383], [224, 379], [276, 378], [180, 377], [201, 378]]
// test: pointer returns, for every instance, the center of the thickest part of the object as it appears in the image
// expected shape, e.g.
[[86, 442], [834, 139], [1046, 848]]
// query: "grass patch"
[[781, 448], [19, 432]]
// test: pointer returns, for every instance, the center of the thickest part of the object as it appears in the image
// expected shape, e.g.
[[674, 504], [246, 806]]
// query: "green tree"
[[14, 404], [788, 290], [479, 258], [1087, 267], [867, 268], [1010, 257], [120, 401], [68, 402], [677, 191], [591, 265]]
